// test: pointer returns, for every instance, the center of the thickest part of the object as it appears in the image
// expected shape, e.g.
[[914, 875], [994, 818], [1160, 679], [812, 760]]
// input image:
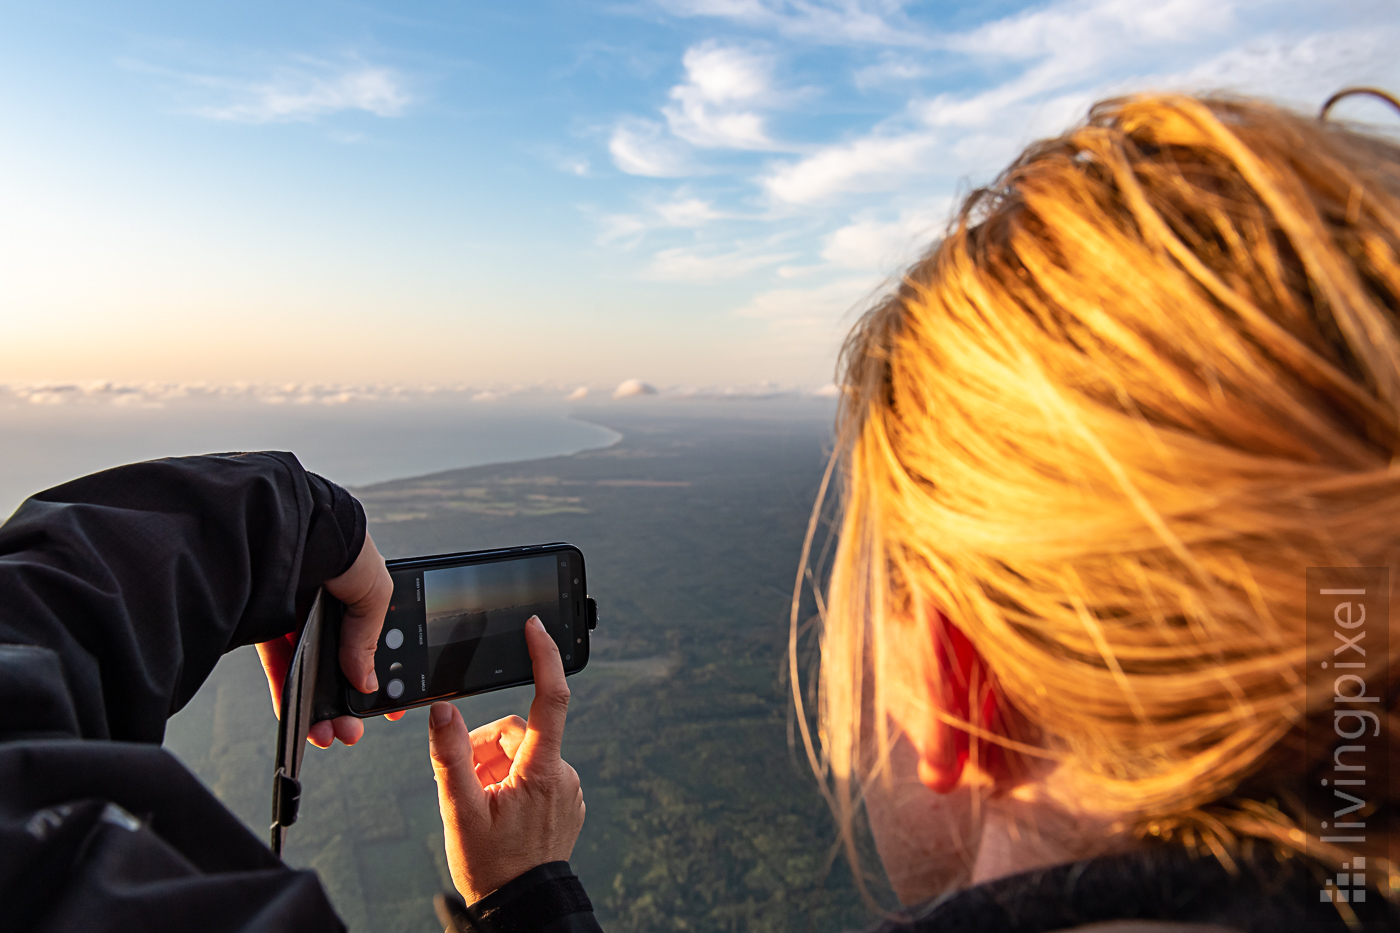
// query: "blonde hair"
[[1146, 379]]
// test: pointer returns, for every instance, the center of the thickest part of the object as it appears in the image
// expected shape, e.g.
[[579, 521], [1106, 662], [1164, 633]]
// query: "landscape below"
[[701, 814]]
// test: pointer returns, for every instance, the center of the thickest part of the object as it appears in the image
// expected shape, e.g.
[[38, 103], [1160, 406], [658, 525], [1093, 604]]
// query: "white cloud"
[[833, 22], [1077, 51], [719, 105], [304, 93], [159, 394], [642, 147], [891, 70], [577, 395], [1072, 44], [687, 265], [1073, 53], [1307, 70], [886, 245], [1075, 44], [632, 388], [1089, 30], [714, 107], [687, 212], [681, 211], [864, 163]]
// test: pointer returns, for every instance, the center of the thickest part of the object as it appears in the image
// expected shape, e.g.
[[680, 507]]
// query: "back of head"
[[1149, 377]]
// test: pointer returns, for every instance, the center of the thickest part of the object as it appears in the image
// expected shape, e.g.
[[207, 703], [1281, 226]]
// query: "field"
[[701, 816]]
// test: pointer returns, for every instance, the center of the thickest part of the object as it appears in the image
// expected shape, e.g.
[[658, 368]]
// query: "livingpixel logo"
[[1350, 884], [1348, 634]]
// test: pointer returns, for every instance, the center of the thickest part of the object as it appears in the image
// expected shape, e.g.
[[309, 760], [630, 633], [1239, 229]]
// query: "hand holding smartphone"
[[455, 627], [456, 624]]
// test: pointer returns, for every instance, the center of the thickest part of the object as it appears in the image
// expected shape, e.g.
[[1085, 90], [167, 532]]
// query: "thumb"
[[366, 589], [460, 795]]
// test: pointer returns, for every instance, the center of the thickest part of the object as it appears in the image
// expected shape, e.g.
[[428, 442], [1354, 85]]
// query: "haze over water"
[[354, 439]]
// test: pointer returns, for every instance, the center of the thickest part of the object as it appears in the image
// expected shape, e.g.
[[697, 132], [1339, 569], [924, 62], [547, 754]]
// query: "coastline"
[[617, 438], [612, 417], [357, 445]]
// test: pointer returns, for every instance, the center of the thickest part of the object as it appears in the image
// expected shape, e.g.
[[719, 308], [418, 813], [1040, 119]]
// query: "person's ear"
[[964, 692]]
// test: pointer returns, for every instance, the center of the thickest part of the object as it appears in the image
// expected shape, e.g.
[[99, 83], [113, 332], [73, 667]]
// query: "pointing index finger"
[[544, 731]]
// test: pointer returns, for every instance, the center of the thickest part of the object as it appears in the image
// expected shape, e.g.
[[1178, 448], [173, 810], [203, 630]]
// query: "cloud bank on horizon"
[[714, 186]]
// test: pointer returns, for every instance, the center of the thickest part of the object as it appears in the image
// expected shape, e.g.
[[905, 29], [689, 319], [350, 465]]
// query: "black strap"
[[286, 799]]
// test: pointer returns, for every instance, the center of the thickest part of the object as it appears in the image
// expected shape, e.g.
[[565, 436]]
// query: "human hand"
[[365, 589], [508, 801]]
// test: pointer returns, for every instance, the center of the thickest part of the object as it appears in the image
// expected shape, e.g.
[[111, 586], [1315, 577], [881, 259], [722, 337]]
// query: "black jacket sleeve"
[[546, 899], [118, 594]]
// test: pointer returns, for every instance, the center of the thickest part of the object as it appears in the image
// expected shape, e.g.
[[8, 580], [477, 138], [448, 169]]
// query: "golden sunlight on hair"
[[1149, 377]]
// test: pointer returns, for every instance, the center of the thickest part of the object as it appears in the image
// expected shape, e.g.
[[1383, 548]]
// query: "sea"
[[55, 434]]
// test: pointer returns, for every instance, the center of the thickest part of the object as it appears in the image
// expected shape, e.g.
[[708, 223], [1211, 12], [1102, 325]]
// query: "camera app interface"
[[476, 620], [452, 629]]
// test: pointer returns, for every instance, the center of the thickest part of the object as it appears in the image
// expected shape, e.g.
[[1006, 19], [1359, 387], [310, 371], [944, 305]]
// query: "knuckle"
[[447, 755], [445, 766]]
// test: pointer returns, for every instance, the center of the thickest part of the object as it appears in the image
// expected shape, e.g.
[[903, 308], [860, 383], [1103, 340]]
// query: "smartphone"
[[456, 624]]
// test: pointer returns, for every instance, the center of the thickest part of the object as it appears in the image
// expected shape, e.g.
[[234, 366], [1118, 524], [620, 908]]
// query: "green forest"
[[701, 814]]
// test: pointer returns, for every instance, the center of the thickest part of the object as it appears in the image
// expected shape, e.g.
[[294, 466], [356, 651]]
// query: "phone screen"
[[459, 627]]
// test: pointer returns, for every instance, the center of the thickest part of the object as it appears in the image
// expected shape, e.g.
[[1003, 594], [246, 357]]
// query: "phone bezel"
[[462, 558]]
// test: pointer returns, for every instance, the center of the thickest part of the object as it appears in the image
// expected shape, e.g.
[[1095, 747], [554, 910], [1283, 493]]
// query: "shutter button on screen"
[[393, 639], [395, 689]]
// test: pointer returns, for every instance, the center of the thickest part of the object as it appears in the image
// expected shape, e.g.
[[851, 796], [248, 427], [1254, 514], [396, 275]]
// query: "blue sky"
[[697, 193]]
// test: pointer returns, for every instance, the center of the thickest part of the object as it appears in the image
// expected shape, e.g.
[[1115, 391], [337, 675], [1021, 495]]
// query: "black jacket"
[[118, 594]]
